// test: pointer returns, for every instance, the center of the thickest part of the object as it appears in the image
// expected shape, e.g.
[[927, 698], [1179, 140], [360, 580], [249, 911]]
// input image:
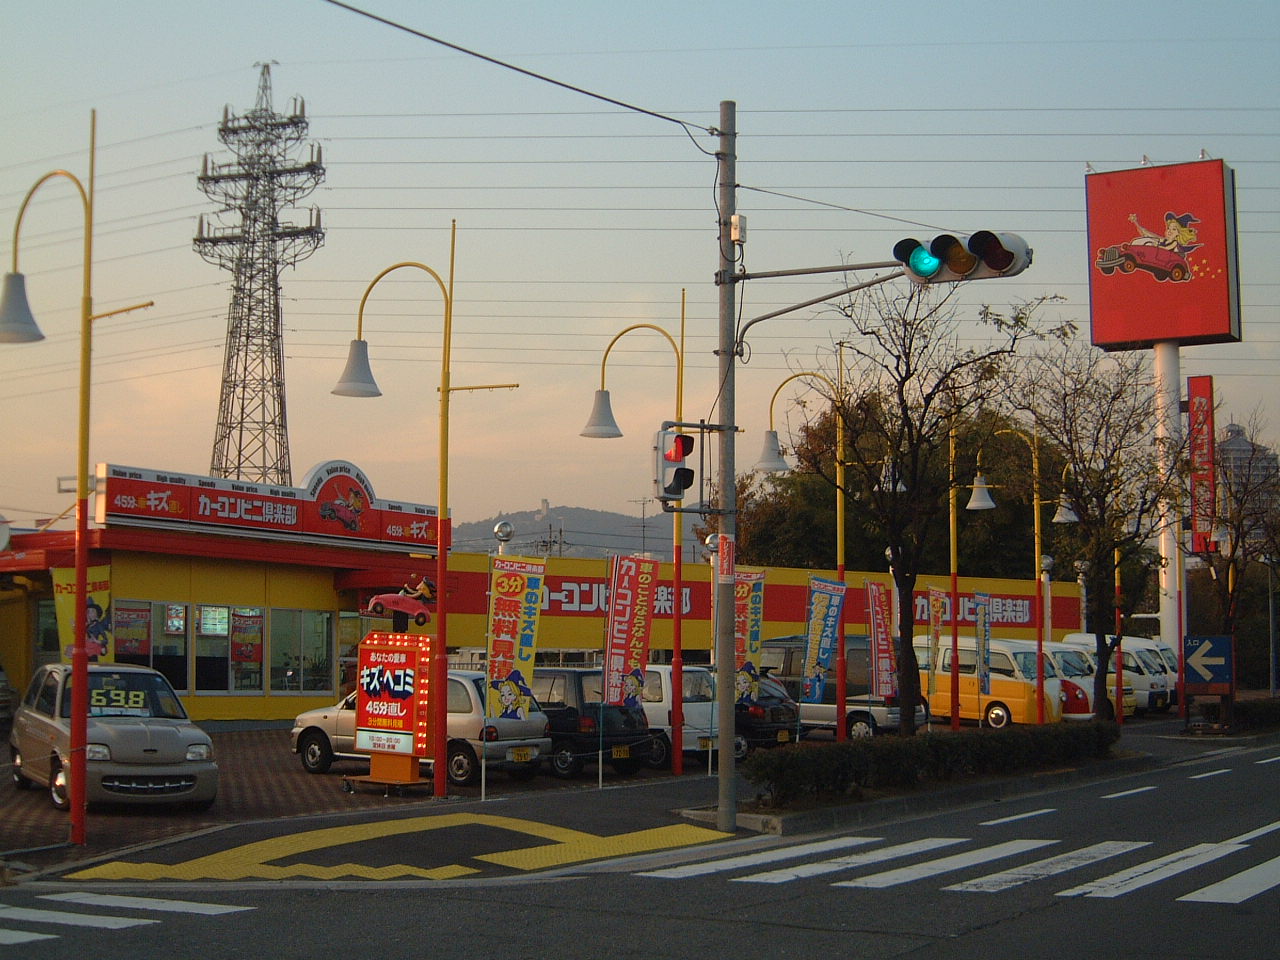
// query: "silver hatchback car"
[[322, 735], [141, 746]]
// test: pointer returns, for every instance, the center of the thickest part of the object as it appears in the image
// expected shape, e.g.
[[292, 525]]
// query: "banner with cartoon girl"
[[515, 599], [97, 614], [748, 614], [822, 627], [937, 611], [884, 668], [628, 624]]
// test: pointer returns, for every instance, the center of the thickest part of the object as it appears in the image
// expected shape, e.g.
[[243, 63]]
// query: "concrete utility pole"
[[727, 801]]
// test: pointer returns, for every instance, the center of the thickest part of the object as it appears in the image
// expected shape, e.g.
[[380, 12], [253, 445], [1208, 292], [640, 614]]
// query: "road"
[[1182, 861]]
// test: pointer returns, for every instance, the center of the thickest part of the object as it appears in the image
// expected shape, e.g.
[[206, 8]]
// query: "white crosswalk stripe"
[[10, 915], [1249, 882]]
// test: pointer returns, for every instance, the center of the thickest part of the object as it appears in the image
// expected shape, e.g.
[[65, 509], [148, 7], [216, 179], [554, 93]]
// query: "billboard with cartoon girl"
[[1162, 245]]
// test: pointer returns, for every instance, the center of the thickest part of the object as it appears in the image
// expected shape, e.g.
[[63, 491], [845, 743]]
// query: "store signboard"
[[393, 695], [336, 504]]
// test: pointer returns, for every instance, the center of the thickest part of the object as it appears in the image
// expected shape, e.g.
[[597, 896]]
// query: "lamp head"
[[980, 499], [357, 379], [601, 425], [1065, 514], [771, 458], [17, 325]]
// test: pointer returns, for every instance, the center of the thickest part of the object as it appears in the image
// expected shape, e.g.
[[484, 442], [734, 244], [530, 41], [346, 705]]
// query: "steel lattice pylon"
[[245, 236]]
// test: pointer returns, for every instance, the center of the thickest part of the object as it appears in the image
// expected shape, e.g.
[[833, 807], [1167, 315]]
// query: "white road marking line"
[[932, 868], [1153, 871], [1126, 793], [1255, 834], [754, 859], [8, 937], [142, 903], [995, 882], [1017, 816], [852, 860], [1270, 760], [1237, 889], [70, 919], [1211, 773]]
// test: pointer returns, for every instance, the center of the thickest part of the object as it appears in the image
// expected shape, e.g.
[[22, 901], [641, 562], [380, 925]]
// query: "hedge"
[[834, 770]]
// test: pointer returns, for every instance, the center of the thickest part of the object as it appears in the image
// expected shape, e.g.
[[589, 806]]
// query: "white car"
[[697, 705], [141, 746], [320, 736]]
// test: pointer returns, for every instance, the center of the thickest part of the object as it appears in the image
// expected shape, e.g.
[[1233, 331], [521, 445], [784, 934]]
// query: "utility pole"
[[723, 587], [251, 440], [644, 502]]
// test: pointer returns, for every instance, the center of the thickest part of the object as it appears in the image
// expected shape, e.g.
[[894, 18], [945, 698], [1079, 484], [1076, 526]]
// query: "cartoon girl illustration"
[[745, 681], [1179, 234], [97, 629], [632, 684], [514, 695]]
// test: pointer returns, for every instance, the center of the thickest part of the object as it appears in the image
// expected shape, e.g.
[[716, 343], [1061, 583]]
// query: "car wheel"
[[20, 782], [626, 767], [1128, 265], [524, 771], [564, 763], [740, 747], [1177, 272], [997, 716], [59, 786], [377, 609], [315, 752], [861, 725], [462, 766], [659, 753], [420, 619]]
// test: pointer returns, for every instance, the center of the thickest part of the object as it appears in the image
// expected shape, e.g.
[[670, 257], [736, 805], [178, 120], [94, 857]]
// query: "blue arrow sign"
[[1209, 660]]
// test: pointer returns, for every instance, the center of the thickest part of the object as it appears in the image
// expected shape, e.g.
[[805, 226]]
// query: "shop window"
[[302, 643], [153, 635], [48, 644], [213, 647], [246, 649]]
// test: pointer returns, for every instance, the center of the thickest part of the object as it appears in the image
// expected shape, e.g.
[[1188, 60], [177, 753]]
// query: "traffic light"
[[671, 478], [949, 257]]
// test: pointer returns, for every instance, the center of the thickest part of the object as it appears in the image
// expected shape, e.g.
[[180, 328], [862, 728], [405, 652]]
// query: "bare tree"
[[908, 375], [1099, 411]]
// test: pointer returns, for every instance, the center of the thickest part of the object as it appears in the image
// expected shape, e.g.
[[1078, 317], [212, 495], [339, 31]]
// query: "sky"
[[858, 124]]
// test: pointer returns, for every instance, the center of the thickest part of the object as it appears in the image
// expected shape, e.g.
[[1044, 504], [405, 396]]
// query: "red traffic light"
[[681, 447]]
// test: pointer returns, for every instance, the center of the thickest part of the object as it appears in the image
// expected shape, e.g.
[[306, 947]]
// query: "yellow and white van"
[[1013, 682]]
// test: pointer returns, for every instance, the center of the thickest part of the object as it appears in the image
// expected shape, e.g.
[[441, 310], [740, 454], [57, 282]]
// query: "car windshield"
[[1074, 664], [698, 687], [1152, 662], [126, 693], [1027, 664]]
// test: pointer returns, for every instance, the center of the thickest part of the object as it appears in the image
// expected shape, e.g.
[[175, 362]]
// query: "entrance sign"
[[1210, 666]]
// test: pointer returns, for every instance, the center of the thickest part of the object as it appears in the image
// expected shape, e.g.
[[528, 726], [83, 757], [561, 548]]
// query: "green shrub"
[[832, 771]]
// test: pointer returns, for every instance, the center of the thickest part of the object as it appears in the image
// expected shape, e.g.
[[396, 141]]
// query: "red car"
[[384, 604], [1160, 263]]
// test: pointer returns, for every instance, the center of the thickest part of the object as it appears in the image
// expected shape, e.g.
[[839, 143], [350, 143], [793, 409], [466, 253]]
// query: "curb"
[[924, 800]]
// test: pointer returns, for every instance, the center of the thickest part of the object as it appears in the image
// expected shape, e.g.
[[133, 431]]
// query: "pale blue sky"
[[576, 218]]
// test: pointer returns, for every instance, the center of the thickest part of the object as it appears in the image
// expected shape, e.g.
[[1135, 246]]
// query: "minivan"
[[864, 715], [1013, 682], [1144, 670]]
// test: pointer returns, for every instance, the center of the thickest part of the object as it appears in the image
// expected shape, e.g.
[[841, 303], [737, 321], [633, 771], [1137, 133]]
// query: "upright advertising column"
[[393, 706]]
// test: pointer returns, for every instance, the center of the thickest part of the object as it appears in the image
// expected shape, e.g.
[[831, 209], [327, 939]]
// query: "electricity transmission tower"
[[246, 236]]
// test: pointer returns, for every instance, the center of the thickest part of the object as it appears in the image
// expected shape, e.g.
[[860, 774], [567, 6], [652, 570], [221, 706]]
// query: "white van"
[[1144, 670], [698, 706], [1077, 671]]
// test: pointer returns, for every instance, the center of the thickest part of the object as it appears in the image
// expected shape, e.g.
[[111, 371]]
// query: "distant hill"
[[578, 532]]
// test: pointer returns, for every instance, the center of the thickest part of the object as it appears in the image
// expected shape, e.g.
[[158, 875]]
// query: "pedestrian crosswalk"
[[30, 924], [868, 863]]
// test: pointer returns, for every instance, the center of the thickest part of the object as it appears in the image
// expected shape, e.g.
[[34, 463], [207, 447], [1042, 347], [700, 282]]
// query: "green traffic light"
[[923, 263]]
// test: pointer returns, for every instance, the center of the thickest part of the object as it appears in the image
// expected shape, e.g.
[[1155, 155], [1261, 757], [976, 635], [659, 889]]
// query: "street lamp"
[[979, 500], [772, 461], [1042, 603], [602, 426], [357, 381], [17, 325]]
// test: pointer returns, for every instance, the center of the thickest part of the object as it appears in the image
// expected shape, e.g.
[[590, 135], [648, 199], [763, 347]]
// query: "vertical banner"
[[393, 695], [1200, 442], [937, 610], [884, 668], [97, 614], [748, 615], [515, 599], [822, 628], [632, 584], [982, 639]]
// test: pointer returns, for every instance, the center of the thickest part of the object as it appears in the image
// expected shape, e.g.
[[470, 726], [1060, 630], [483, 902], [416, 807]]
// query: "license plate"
[[521, 754], [621, 752], [784, 736], [706, 743]]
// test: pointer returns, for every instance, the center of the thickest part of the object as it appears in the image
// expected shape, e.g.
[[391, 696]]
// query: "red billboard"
[[1162, 247], [393, 695]]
